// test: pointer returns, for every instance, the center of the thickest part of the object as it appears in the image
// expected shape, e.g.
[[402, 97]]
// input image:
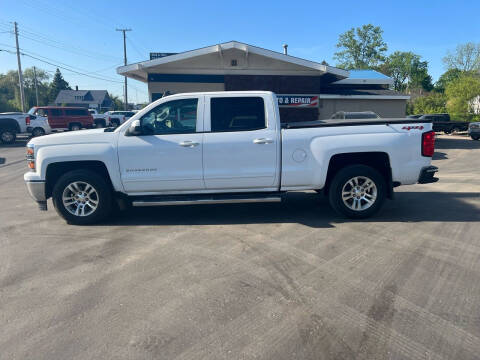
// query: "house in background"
[[92, 99], [306, 90]]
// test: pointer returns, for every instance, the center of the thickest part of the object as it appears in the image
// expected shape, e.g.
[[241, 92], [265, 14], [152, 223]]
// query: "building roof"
[[358, 77], [333, 92], [88, 96], [215, 56]]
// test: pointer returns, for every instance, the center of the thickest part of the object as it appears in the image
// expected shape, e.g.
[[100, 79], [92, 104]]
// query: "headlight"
[[31, 156]]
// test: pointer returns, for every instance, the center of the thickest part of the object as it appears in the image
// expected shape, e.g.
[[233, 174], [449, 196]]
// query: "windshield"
[[32, 110]]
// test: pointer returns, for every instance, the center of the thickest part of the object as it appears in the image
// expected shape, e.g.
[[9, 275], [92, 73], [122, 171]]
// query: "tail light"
[[27, 120], [428, 143]]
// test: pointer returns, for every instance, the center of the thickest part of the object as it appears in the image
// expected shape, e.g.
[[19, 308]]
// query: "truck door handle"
[[188, 143], [263, 141]]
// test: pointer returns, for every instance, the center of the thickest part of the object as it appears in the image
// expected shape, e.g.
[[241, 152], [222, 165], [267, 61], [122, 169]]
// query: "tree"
[[446, 78], [460, 94], [361, 48], [117, 102], [42, 85], [58, 83], [466, 57], [430, 104], [407, 71]]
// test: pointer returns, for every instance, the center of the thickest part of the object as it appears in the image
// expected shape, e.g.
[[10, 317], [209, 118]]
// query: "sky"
[[81, 36]]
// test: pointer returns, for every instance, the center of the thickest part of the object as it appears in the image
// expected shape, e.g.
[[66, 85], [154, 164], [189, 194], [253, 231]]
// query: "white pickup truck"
[[107, 119], [220, 147]]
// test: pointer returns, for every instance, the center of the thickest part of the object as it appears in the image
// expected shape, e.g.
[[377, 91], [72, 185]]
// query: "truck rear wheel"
[[357, 191], [82, 197], [475, 137]]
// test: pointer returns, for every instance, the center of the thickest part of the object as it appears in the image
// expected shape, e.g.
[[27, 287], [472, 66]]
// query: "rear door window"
[[237, 114], [75, 112], [55, 112]]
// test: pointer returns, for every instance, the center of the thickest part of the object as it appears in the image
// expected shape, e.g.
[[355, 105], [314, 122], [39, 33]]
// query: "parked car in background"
[[442, 122], [226, 147], [64, 118], [474, 130], [104, 120], [348, 115], [11, 124], [126, 114], [38, 126]]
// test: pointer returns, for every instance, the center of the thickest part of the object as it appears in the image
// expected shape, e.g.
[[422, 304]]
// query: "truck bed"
[[341, 122]]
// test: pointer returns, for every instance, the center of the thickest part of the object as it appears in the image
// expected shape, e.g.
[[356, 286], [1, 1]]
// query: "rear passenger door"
[[241, 143], [56, 119]]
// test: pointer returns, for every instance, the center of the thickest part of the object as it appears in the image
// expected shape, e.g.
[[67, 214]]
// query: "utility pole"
[[20, 74], [125, 62], [36, 87]]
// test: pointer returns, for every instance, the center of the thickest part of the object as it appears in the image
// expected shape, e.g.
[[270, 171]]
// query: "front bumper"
[[36, 189], [427, 175], [474, 131]]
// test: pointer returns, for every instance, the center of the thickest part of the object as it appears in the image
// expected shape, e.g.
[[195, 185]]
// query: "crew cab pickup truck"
[[11, 124], [102, 120], [220, 147], [442, 122]]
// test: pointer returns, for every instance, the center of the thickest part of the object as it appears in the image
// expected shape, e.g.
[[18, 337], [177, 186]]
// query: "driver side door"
[[167, 156]]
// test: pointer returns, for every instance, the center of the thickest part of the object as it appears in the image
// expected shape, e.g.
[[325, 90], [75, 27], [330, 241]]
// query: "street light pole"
[[125, 62]]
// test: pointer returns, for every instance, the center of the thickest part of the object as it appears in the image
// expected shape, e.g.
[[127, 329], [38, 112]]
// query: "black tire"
[[38, 132], [8, 136], [475, 137], [100, 124], [341, 180], [74, 127], [448, 132], [103, 191]]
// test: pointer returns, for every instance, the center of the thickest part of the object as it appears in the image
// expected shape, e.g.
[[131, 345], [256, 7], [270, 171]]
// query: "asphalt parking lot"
[[268, 281]]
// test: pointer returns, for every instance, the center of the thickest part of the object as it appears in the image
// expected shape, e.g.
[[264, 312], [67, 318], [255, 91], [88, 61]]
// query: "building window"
[[233, 62], [80, 98]]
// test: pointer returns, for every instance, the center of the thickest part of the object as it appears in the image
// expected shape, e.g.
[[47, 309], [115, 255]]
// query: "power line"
[[64, 68], [64, 64]]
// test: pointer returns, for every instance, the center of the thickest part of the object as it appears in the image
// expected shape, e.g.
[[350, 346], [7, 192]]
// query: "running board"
[[204, 199]]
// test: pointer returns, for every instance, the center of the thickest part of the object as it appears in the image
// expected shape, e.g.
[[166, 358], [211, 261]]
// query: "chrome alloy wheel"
[[80, 198], [359, 193]]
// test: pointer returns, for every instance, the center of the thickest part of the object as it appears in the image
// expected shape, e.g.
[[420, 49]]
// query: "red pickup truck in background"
[[65, 118]]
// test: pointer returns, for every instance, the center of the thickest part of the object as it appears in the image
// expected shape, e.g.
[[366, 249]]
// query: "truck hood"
[[93, 136]]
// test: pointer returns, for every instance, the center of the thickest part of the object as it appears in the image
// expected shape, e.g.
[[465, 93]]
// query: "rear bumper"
[[427, 175]]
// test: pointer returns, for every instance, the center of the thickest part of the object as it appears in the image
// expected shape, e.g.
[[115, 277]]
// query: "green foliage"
[[361, 48], [446, 78], [460, 93], [466, 57], [430, 104], [58, 83], [407, 71], [117, 103]]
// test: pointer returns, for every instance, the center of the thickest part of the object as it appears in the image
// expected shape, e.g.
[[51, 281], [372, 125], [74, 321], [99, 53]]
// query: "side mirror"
[[135, 128]]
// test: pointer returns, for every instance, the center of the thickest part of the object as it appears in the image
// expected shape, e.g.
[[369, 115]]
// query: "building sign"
[[297, 101], [157, 55]]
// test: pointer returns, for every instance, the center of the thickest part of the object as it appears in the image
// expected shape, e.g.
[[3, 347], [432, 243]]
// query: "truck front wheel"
[[8, 136], [357, 191], [82, 197]]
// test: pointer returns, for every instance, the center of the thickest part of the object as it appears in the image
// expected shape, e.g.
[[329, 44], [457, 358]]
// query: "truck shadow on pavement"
[[456, 143], [309, 209]]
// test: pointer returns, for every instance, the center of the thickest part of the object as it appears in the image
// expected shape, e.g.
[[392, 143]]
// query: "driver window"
[[172, 117]]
